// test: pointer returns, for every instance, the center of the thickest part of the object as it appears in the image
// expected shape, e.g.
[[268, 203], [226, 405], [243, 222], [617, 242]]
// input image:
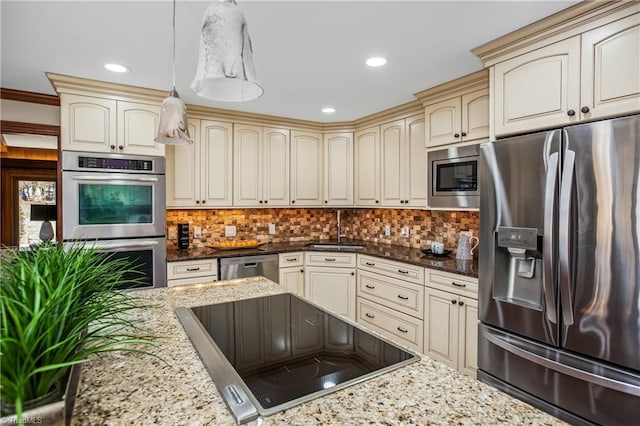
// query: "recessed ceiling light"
[[376, 61], [328, 110], [116, 67]]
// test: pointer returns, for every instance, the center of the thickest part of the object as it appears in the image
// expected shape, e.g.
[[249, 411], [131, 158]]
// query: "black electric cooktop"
[[270, 353]]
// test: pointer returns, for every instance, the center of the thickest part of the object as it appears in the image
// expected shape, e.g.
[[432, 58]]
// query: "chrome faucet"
[[339, 227]]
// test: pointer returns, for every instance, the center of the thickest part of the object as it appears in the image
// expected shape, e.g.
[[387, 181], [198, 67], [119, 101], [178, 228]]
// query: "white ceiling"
[[308, 54]]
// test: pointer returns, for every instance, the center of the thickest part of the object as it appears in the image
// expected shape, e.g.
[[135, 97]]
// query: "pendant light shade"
[[173, 129], [225, 64]]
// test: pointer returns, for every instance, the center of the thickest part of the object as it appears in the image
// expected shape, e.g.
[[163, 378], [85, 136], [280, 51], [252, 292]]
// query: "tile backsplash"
[[300, 224]]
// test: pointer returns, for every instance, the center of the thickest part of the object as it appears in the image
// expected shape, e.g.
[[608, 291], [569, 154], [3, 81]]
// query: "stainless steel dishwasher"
[[265, 265]]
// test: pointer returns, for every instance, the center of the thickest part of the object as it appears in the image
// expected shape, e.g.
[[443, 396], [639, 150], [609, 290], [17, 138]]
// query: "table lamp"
[[46, 213]]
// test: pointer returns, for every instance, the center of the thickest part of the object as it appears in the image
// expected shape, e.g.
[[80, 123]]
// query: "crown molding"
[[468, 83], [395, 113], [561, 25]]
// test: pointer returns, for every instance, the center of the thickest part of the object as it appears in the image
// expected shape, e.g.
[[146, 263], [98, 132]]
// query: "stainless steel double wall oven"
[[118, 203]]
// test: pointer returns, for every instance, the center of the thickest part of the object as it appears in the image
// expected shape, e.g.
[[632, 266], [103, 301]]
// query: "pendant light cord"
[[173, 64]]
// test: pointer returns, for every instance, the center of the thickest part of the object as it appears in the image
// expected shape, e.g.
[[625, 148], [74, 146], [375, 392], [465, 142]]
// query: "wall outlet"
[[387, 230], [173, 233], [272, 228], [197, 232], [230, 231], [405, 232]]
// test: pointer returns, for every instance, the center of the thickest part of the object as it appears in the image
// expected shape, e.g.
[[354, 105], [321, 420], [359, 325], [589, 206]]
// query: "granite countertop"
[[387, 251], [133, 388]]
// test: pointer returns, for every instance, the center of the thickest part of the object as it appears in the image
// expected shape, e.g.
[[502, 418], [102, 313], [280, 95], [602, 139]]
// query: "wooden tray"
[[218, 247]]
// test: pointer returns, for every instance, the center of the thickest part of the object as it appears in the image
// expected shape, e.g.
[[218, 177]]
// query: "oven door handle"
[[128, 244], [112, 178]]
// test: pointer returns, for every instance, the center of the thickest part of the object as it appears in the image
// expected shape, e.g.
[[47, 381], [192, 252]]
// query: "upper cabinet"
[[200, 175], [366, 152], [403, 163], [261, 166], [338, 169], [306, 168], [104, 125], [581, 64]]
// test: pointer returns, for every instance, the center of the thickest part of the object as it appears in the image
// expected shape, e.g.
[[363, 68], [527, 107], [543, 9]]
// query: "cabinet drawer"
[[403, 271], [192, 268], [189, 281], [397, 326], [459, 284], [400, 295], [291, 259], [339, 260]]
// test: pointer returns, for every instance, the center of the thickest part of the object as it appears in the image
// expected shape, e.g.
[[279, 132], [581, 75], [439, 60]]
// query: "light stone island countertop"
[[134, 389]]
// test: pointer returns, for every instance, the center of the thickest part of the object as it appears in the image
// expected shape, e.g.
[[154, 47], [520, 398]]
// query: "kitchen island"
[[138, 389]]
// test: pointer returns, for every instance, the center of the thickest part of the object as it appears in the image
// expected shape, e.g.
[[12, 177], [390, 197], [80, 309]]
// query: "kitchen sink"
[[335, 246]]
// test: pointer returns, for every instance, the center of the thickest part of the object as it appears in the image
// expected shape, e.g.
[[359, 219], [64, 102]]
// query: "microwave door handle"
[[564, 240], [112, 178], [128, 244], [551, 188]]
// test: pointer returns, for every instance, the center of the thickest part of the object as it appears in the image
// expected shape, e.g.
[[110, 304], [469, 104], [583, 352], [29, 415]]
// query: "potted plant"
[[58, 307]]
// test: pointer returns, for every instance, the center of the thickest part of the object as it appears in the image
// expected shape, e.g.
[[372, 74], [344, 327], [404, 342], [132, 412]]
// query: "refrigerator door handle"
[[551, 187], [566, 191], [568, 370]]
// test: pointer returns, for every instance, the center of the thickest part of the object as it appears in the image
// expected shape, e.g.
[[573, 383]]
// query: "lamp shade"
[[173, 128], [44, 212], [225, 63]]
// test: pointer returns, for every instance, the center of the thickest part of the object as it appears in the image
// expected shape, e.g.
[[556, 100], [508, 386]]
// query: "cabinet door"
[[306, 168], [475, 115], [392, 152], [293, 280], [441, 326], [87, 124], [366, 147], [183, 170], [539, 89], [468, 336], [415, 166], [611, 69], [332, 288], [216, 161], [275, 166], [247, 172], [137, 127], [338, 169], [443, 122]]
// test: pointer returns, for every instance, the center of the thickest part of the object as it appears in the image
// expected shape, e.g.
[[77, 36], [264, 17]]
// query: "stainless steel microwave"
[[452, 177]]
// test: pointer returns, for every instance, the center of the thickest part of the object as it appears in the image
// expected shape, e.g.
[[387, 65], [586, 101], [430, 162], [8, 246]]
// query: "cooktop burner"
[[270, 353]]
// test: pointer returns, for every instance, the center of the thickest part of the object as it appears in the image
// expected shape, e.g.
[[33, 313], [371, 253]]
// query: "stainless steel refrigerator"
[[559, 274]]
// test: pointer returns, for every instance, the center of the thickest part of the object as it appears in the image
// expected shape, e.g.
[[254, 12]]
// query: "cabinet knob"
[[461, 303], [120, 147], [353, 273], [464, 134], [260, 201], [377, 201], [406, 201], [204, 201], [571, 113], [456, 135], [113, 147], [197, 201], [585, 109], [401, 201], [454, 302], [325, 201], [302, 271], [293, 201], [266, 201]]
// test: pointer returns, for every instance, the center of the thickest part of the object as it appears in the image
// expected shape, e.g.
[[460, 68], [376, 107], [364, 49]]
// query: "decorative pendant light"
[[225, 65], [173, 128]]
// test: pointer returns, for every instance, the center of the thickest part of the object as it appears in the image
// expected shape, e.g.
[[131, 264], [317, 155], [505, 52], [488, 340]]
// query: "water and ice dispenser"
[[518, 266]]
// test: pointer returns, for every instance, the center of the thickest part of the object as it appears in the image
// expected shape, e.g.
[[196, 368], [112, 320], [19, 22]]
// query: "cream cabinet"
[[366, 164], [592, 75], [330, 282], [306, 168], [291, 272], [104, 125], [460, 119], [261, 166], [338, 169], [186, 272], [451, 320], [393, 324], [200, 174], [403, 163]]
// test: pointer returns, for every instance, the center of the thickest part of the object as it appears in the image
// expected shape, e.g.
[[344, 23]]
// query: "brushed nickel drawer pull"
[[193, 269], [369, 286], [291, 259], [368, 315], [402, 271], [458, 284], [369, 264], [402, 297], [402, 330], [329, 259]]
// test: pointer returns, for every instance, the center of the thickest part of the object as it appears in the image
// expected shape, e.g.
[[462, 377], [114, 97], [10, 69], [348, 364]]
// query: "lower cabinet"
[[292, 272], [451, 326], [187, 272], [402, 328], [330, 282]]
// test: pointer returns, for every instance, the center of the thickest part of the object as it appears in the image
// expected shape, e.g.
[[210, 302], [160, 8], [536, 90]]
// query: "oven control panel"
[[115, 163]]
